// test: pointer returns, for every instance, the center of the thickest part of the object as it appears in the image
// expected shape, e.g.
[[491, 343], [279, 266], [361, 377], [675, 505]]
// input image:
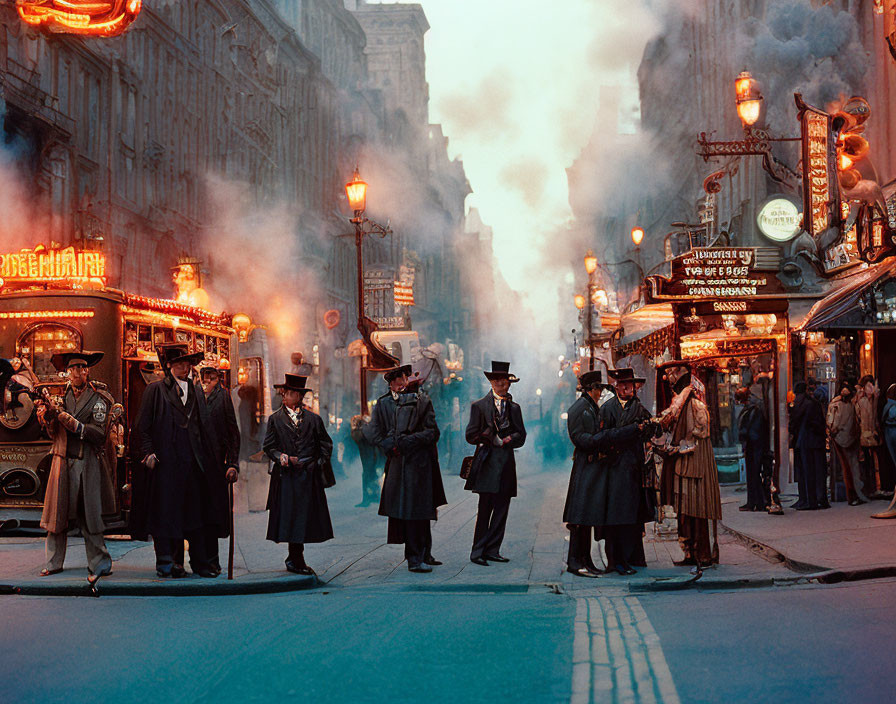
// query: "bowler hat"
[[500, 370], [293, 382], [171, 352], [395, 372], [63, 360], [626, 374], [591, 380]]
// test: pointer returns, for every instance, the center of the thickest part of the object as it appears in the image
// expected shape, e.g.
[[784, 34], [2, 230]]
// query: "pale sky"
[[515, 85]]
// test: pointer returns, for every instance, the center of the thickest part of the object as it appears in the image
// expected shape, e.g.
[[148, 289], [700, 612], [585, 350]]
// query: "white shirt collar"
[[184, 386]]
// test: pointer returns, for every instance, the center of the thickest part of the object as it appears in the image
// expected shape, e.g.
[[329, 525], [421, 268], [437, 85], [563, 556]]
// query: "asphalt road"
[[385, 644]]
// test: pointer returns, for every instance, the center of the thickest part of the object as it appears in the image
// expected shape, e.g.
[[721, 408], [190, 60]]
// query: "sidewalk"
[[843, 538], [536, 543]]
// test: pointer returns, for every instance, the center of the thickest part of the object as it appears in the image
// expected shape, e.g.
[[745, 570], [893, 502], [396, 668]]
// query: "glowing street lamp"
[[580, 302], [637, 235], [590, 262], [356, 192], [749, 99]]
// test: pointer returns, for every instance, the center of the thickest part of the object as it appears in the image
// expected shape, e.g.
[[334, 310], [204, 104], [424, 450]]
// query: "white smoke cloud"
[[254, 256]]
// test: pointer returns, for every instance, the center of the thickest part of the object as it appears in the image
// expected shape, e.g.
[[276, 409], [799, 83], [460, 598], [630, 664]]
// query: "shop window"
[[38, 344]]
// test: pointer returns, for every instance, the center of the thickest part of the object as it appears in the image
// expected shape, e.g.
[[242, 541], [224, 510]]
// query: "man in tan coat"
[[690, 475], [79, 489]]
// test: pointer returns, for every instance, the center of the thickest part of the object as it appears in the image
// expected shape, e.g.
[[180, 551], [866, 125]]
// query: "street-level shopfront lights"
[[637, 235], [590, 263], [356, 191], [580, 301], [749, 99]]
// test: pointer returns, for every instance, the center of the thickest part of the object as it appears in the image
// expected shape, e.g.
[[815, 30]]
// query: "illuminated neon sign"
[[97, 17], [42, 265]]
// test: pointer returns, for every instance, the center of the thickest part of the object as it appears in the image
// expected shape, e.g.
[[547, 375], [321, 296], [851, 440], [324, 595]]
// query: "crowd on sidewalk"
[[185, 446], [844, 448]]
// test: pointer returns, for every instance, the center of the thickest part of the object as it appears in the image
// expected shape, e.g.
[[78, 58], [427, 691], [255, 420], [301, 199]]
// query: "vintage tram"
[[44, 314]]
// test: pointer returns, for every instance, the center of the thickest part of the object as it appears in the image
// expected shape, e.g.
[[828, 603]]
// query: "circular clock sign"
[[780, 219]]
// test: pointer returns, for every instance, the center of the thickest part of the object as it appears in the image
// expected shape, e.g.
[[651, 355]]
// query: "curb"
[[771, 554], [809, 573], [181, 587]]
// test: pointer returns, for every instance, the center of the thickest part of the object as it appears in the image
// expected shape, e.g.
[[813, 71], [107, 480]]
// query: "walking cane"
[[230, 558]]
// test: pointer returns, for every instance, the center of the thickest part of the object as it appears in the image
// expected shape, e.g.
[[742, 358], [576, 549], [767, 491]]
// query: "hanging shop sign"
[[821, 193], [719, 273], [404, 295], [332, 318], [42, 265], [779, 219]]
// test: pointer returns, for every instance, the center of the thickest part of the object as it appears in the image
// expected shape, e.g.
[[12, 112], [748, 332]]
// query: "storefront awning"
[[826, 311], [651, 321]]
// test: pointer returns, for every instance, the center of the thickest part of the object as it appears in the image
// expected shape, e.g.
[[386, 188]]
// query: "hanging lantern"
[[748, 98], [87, 17], [356, 191]]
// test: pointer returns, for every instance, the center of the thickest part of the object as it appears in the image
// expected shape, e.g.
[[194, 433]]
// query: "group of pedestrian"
[[856, 428], [187, 440], [612, 489]]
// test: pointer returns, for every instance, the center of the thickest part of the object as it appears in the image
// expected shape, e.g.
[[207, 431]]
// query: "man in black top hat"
[[626, 426], [496, 429], [586, 497], [299, 448], [226, 449], [174, 440], [403, 425], [79, 488]]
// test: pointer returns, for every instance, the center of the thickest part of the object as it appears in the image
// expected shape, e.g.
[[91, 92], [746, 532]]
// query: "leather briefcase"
[[466, 467]]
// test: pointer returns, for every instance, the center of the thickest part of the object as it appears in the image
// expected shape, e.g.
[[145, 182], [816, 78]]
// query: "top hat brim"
[[390, 374], [631, 379], [60, 360], [494, 376], [290, 387], [193, 358]]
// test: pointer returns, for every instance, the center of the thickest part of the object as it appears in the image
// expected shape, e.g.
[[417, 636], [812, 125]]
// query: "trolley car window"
[[39, 343]]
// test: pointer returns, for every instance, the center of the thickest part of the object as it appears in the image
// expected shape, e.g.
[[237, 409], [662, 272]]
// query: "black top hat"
[[63, 360], [208, 368], [394, 372], [500, 370], [591, 380], [626, 374], [294, 382], [171, 352]]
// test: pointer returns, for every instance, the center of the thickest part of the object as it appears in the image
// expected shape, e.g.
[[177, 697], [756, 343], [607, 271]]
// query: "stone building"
[[120, 135]]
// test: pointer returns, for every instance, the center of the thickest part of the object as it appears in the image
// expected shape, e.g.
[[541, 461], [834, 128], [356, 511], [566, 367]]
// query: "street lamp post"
[[356, 191], [590, 267]]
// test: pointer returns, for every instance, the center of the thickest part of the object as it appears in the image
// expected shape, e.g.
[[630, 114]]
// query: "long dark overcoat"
[[296, 499], [494, 468], [587, 492], [225, 439], [625, 461], [176, 492], [406, 431], [605, 485]]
